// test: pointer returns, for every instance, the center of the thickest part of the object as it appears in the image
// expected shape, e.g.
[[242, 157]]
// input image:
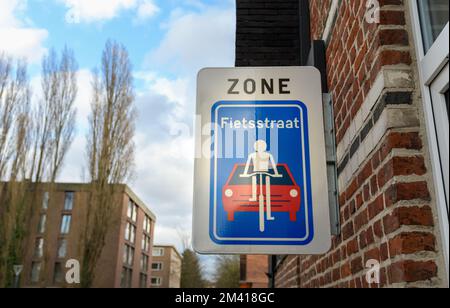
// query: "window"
[[144, 263], [431, 31], [433, 19], [147, 224], [126, 277], [39, 248], [132, 211], [156, 281], [42, 222], [128, 255], [127, 231], [145, 243], [135, 212], [62, 248], [65, 224], [68, 202], [158, 252], [58, 273], [130, 233], [143, 278], [157, 266], [133, 234], [45, 200], [35, 272]]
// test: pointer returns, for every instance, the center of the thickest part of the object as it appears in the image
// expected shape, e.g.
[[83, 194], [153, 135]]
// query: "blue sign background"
[[290, 152]]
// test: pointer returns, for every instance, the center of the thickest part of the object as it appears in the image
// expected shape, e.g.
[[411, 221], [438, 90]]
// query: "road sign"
[[260, 172], [17, 270]]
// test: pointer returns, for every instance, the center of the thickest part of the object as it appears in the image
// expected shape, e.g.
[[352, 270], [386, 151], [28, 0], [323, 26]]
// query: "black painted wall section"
[[268, 33]]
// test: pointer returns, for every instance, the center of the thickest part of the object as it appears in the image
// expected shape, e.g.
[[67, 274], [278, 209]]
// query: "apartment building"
[[385, 71], [56, 233], [166, 267]]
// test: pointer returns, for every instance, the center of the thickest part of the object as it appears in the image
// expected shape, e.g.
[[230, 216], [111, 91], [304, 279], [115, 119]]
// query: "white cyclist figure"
[[262, 162]]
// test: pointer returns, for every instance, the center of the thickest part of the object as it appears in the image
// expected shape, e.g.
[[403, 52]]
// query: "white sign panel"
[[260, 171]]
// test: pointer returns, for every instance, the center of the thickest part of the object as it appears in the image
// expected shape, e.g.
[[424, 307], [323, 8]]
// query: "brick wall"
[[319, 13], [386, 192]]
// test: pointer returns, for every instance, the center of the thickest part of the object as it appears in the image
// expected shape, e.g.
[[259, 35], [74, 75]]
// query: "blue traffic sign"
[[260, 184], [269, 205]]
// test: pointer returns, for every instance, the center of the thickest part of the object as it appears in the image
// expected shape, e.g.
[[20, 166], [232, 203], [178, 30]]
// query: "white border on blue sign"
[[221, 240]]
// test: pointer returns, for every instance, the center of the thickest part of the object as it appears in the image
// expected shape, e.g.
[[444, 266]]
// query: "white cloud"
[[196, 39], [146, 9], [18, 39], [192, 40], [100, 10]]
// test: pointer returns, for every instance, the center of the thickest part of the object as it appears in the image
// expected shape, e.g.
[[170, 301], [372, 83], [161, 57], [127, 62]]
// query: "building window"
[[433, 19], [42, 222], [158, 252], [65, 224], [45, 199], [58, 273], [143, 278], [431, 31], [147, 224], [132, 211], [35, 271], [145, 243], [68, 202], [157, 266], [62, 248], [130, 233], [126, 277], [39, 248], [128, 255], [156, 281], [133, 234], [144, 263], [127, 231]]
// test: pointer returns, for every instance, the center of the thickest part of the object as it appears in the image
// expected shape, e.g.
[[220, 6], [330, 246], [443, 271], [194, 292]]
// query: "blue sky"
[[168, 42]]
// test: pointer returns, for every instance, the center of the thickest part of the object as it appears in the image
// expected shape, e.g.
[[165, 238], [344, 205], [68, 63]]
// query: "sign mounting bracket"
[[330, 143]]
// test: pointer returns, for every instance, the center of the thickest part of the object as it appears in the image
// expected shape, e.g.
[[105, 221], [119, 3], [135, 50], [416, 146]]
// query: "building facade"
[[253, 272], [166, 267], [56, 232], [385, 65]]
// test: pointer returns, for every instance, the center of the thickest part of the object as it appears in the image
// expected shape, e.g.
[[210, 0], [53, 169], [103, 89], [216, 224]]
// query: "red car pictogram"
[[284, 193]]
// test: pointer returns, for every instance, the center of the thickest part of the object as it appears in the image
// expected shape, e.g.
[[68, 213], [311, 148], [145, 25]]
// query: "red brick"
[[412, 271], [393, 37], [356, 265], [409, 141], [352, 247], [361, 220], [406, 192], [408, 216], [412, 242], [378, 229], [348, 231], [373, 254], [376, 207]]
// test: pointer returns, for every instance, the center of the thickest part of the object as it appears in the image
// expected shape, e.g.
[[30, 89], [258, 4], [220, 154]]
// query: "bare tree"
[[14, 149], [110, 150], [14, 97], [55, 115], [33, 144]]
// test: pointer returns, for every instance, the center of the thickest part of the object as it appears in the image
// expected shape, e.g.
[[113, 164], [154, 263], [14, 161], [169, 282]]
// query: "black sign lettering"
[[233, 86]]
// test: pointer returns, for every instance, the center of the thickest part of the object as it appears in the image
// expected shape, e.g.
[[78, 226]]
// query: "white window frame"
[[161, 254], [158, 283], [432, 66], [160, 267]]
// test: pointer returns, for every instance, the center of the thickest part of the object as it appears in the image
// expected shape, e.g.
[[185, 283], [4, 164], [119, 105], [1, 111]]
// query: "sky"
[[169, 41]]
